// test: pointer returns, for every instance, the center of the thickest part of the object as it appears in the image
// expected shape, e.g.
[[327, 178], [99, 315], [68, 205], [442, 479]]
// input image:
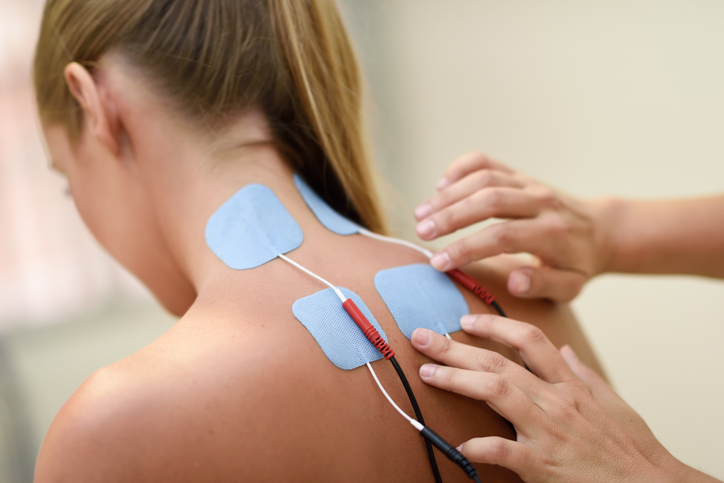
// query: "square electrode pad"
[[420, 296], [251, 228], [334, 330], [331, 220]]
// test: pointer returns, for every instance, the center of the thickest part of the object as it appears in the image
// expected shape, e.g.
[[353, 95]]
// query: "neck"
[[187, 204]]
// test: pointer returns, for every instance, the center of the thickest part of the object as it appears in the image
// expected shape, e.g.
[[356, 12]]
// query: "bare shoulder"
[[93, 436], [197, 405], [158, 415]]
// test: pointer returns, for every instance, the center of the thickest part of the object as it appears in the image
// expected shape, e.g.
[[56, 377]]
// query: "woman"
[[158, 112]]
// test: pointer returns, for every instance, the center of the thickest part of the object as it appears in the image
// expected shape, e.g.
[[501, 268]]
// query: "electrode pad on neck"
[[334, 330], [252, 228], [420, 296], [331, 220]]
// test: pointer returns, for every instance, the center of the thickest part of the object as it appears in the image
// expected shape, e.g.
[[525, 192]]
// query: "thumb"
[[545, 282]]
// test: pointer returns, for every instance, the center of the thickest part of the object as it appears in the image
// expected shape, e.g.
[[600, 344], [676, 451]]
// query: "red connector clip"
[[368, 329], [469, 283]]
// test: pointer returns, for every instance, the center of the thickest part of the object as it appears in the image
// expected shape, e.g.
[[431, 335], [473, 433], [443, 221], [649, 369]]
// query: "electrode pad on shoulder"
[[251, 228], [331, 220], [334, 330], [420, 296]]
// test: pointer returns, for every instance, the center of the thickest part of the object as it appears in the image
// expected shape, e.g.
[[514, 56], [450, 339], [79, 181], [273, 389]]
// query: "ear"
[[100, 115]]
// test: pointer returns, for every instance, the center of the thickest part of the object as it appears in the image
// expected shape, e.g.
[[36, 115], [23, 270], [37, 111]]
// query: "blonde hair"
[[213, 58]]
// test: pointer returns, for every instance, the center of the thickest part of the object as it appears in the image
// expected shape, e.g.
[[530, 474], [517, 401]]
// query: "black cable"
[[452, 453], [497, 308], [418, 415]]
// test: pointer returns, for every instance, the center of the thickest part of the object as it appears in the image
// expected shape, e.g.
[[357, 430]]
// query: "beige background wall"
[[621, 97], [615, 97]]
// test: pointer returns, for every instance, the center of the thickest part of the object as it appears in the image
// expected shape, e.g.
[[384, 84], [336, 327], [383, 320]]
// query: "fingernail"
[[443, 183], [467, 321], [460, 448], [421, 337], [425, 228], [519, 283], [427, 370], [423, 211], [441, 261]]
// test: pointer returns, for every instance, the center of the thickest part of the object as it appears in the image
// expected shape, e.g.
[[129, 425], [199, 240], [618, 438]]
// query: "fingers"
[[495, 375], [537, 351], [498, 202], [502, 396], [545, 282], [515, 236], [465, 187], [468, 163], [495, 450], [455, 354]]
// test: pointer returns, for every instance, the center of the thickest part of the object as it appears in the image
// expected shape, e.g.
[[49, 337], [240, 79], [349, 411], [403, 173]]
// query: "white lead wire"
[[309, 272], [414, 422], [424, 251]]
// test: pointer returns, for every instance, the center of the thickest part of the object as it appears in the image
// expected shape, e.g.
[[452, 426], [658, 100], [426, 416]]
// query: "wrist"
[[671, 470], [606, 214], [680, 473]]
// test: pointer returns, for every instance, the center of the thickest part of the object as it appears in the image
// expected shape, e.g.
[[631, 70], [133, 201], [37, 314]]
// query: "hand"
[[571, 426], [569, 236]]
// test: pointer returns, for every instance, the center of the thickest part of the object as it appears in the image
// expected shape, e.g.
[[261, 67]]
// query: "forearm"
[[684, 236]]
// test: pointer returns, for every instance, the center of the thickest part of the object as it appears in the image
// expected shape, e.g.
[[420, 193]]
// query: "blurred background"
[[616, 97]]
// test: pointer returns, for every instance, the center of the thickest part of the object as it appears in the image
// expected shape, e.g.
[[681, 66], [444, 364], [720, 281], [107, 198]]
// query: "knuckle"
[[476, 160], [579, 389], [558, 227], [491, 362], [498, 450], [566, 407], [484, 178], [462, 250], [479, 156], [503, 236], [495, 199], [442, 346], [468, 202], [496, 386], [530, 335], [547, 196]]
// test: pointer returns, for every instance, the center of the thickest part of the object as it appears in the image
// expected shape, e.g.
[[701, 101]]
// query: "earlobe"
[[99, 115]]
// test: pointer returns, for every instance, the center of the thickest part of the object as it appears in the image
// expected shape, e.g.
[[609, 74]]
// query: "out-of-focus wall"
[[50, 266], [616, 97]]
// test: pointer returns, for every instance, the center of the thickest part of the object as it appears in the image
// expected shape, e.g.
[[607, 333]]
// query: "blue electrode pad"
[[420, 296], [332, 220], [334, 330], [251, 228]]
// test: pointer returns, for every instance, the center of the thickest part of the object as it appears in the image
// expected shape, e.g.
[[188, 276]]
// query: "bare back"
[[239, 390]]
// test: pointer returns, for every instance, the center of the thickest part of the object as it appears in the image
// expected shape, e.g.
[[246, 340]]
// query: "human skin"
[[571, 426], [574, 239], [238, 390]]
